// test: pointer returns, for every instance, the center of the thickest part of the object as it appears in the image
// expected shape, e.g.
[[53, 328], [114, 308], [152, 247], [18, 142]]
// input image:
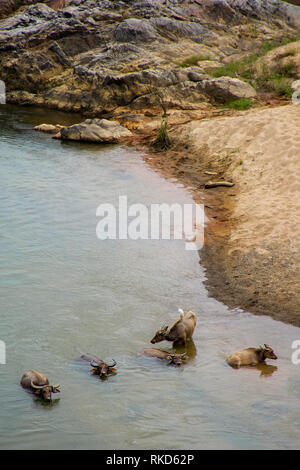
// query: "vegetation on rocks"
[[276, 77]]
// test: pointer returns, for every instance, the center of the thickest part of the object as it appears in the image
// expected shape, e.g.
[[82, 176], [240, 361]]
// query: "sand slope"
[[260, 150]]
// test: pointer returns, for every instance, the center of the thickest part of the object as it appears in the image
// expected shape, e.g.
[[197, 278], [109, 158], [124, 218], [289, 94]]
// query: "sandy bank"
[[252, 253]]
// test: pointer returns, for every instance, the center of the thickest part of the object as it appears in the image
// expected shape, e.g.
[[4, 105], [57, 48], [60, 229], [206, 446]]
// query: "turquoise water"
[[64, 292]]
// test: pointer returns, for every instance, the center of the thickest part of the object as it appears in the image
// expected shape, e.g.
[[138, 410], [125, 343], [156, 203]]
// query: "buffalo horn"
[[113, 365], [36, 387], [94, 364]]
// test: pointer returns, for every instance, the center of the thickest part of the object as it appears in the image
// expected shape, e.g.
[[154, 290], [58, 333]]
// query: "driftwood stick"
[[216, 184]]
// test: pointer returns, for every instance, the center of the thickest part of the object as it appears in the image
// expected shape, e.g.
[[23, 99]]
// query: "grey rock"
[[95, 130], [226, 88], [42, 11], [187, 29], [134, 30]]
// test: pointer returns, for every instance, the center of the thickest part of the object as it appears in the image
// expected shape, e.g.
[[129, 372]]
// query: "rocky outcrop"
[[97, 56], [95, 130]]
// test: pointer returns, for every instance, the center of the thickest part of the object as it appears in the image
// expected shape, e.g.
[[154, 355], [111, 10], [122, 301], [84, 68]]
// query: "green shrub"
[[286, 70], [282, 87], [235, 68], [272, 44], [277, 80], [261, 77], [241, 104]]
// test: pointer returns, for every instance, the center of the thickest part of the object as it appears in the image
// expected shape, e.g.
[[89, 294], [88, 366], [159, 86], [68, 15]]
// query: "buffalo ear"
[[266, 346], [165, 328]]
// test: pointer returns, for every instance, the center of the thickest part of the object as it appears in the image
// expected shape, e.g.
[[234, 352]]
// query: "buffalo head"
[[177, 359], [45, 391], [102, 368]]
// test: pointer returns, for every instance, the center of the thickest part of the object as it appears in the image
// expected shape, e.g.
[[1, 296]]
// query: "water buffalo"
[[175, 359], [251, 356], [180, 332], [100, 367], [39, 384]]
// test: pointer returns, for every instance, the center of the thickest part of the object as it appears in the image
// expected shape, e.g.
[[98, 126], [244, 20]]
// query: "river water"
[[64, 292]]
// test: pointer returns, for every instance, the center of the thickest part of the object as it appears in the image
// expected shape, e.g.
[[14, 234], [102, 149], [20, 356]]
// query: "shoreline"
[[251, 262]]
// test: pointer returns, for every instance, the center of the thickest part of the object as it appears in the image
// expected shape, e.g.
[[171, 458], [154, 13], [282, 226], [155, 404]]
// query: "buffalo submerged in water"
[[100, 367], [38, 383]]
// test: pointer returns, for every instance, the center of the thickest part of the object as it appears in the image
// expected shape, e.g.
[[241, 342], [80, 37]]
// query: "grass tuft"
[[162, 140]]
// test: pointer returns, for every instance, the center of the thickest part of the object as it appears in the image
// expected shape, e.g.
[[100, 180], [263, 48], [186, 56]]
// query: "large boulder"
[[95, 130], [226, 88], [134, 30]]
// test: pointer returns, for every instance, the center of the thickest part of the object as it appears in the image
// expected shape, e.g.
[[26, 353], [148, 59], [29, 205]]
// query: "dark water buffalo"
[[251, 356], [180, 332], [175, 359], [39, 384], [100, 367]]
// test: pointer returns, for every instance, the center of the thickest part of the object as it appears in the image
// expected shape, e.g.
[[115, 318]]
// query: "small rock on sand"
[[48, 128]]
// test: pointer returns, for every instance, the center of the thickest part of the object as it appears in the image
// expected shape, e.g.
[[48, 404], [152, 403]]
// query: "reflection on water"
[[64, 292], [50, 404], [266, 369], [189, 348]]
